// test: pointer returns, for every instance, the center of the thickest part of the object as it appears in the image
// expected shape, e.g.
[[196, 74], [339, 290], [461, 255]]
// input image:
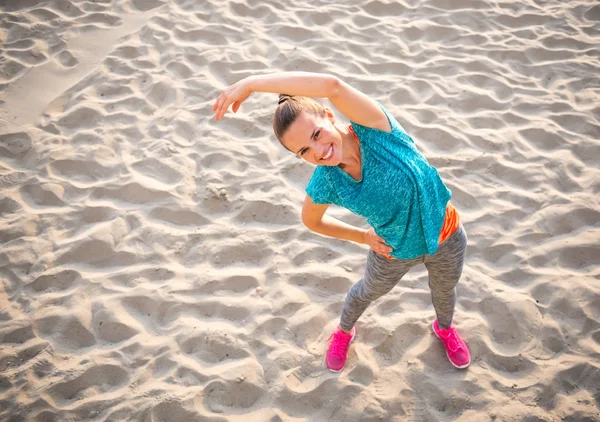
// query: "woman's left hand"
[[234, 94]]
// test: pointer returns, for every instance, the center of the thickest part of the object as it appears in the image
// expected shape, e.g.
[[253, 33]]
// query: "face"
[[315, 139]]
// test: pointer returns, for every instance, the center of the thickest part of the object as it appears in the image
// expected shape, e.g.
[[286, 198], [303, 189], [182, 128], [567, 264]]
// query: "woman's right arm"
[[313, 217], [352, 103]]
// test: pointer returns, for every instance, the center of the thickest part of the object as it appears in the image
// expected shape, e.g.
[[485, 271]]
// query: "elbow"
[[309, 223], [334, 85]]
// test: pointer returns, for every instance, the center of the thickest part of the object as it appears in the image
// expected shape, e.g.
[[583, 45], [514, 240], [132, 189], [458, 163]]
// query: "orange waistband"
[[451, 223]]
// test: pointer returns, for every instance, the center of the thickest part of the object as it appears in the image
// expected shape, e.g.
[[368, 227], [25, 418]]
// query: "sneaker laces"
[[452, 340], [339, 344]]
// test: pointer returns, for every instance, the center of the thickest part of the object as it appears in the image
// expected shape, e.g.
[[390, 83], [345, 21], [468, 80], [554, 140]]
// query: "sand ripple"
[[154, 266]]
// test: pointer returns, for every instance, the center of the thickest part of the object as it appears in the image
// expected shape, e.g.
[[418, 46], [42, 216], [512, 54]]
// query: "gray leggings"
[[382, 274]]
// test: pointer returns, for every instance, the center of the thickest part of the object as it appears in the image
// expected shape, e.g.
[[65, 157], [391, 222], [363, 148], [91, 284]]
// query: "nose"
[[319, 153], [320, 147]]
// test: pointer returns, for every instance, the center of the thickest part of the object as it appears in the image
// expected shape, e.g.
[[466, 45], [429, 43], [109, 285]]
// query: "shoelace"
[[339, 345], [452, 340]]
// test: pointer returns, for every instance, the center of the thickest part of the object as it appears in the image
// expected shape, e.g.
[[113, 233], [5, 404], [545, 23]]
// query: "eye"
[[317, 133], [304, 151]]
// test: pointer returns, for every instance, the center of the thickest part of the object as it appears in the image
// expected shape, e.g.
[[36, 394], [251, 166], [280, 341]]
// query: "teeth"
[[328, 155]]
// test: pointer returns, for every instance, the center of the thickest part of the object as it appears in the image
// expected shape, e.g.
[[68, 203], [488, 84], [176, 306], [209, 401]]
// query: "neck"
[[350, 148]]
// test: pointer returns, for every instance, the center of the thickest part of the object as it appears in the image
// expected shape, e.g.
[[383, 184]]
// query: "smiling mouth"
[[328, 154]]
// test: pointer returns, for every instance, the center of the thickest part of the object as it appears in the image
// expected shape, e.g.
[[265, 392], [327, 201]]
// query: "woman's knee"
[[443, 284], [375, 293], [368, 292]]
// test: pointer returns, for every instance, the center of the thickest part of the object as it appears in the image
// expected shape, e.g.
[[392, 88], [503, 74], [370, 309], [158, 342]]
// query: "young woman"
[[373, 168]]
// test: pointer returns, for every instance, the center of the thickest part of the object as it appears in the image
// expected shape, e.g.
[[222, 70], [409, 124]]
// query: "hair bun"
[[283, 98]]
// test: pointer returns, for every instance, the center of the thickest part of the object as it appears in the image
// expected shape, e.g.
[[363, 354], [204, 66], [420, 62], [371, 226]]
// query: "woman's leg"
[[381, 275], [445, 268]]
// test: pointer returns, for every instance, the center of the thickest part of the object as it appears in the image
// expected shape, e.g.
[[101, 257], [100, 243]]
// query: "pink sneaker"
[[456, 349], [339, 342]]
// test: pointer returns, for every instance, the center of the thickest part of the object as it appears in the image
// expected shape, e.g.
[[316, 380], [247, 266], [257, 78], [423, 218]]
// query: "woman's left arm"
[[352, 103]]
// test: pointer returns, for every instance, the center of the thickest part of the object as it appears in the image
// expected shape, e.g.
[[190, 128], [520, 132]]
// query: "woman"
[[372, 168]]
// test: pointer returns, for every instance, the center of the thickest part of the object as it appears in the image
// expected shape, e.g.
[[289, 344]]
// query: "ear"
[[329, 114]]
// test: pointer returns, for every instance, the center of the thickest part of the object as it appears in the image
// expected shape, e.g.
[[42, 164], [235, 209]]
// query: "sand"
[[153, 262]]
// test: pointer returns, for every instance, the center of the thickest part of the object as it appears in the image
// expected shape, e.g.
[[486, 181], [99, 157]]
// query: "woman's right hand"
[[376, 243], [234, 94]]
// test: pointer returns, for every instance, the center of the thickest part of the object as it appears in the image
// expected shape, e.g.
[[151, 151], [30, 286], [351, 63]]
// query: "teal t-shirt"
[[400, 195]]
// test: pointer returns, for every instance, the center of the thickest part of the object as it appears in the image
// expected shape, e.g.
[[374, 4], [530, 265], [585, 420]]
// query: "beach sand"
[[153, 263]]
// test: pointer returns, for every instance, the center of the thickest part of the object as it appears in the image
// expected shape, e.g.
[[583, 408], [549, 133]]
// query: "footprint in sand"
[[114, 331], [254, 253], [17, 149], [65, 332], [150, 312], [297, 396], [178, 217], [67, 59], [213, 347], [361, 374], [316, 254], [393, 347], [210, 309], [79, 119], [61, 280], [220, 396], [43, 195], [237, 284], [170, 411], [158, 170], [96, 253], [131, 193], [18, 335], [83, 171], [581, 377], [22, 357], [99, 379]]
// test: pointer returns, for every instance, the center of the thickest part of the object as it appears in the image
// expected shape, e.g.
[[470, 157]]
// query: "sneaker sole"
[[453, 364], [342, 368]]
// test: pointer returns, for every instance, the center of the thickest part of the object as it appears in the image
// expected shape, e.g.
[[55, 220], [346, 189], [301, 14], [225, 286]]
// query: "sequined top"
[[400, 195]]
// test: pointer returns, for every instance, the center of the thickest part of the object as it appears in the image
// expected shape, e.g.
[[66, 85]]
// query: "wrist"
[[249, 84], [363, 237]]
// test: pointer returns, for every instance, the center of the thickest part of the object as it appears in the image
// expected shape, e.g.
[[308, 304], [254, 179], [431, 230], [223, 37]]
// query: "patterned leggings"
[[382, 274]]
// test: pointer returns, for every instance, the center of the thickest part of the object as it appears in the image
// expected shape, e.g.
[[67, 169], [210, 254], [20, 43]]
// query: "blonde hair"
[[289, 108]]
